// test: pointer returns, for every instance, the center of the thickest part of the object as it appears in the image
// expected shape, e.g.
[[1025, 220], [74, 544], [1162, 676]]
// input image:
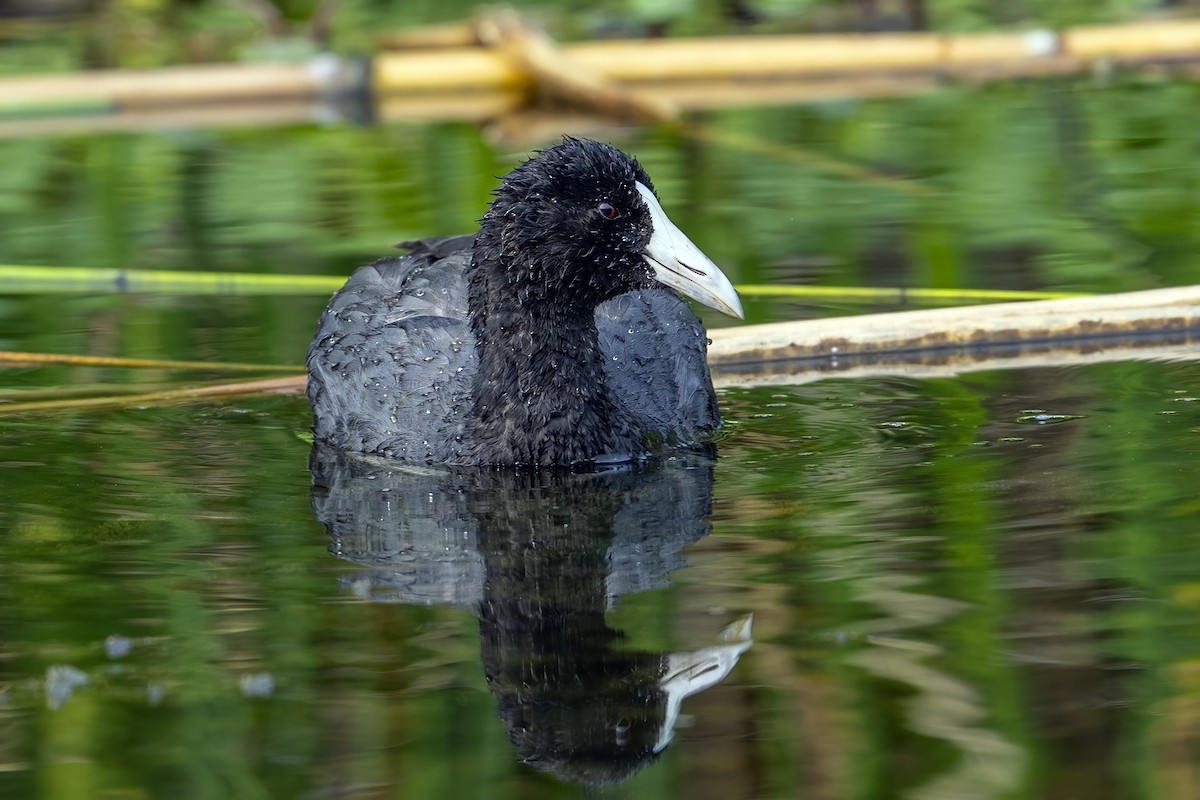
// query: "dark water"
[[985, 586]]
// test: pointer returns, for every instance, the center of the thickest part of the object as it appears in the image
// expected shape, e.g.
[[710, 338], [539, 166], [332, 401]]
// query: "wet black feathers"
[[542, 340]]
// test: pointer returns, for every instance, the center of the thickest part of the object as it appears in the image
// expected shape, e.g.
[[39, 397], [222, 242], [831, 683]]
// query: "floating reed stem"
[[289, 385], [12, 358], [22, 279], [66, 280], [962, 339]]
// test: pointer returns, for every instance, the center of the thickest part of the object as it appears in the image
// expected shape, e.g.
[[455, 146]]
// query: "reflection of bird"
[[539, 557], [551, 337], [421, 530]]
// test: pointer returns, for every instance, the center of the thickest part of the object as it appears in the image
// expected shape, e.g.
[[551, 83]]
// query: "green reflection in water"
[[948, 602]]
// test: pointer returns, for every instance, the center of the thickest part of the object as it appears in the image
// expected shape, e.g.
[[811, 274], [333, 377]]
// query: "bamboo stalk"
[[640, 62], [948, 364], [1142, 40], [198, 83], [764, 57], [1156, 325], [479, 107], [757, 56], [1173, 311], [446, 71]]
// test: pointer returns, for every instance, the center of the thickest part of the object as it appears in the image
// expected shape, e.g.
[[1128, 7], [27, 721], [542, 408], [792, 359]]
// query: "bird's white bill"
[[679, 264]]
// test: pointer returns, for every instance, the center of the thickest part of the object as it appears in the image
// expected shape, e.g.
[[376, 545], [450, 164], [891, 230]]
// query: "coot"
[[555, 336]]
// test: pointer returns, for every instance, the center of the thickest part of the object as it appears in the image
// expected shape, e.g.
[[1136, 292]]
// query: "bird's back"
[[391, 365]]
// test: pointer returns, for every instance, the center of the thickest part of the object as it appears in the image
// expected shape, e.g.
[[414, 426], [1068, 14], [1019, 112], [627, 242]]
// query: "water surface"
[[984, 586]]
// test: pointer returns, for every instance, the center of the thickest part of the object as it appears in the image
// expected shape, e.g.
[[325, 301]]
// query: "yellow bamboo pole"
[[640, 62], [756, 56], [759, 56], [762, 57], [470, 69], [995, 47], [504, 110], [1143, 40], [198, 83]]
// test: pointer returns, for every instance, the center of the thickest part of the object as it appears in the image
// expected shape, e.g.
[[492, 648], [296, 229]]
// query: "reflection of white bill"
[[689, 673]]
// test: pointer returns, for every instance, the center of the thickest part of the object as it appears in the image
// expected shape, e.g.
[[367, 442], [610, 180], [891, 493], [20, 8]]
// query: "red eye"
[[608, 211]]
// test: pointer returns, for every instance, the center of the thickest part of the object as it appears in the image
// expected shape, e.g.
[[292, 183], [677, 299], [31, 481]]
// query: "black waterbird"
[[555, 336]]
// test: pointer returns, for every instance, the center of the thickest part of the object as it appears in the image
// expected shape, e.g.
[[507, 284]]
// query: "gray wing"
[[655, 356], [391, 364]]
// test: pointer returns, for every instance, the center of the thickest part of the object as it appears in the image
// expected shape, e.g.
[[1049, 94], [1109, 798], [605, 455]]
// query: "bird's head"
[[580, 223]]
